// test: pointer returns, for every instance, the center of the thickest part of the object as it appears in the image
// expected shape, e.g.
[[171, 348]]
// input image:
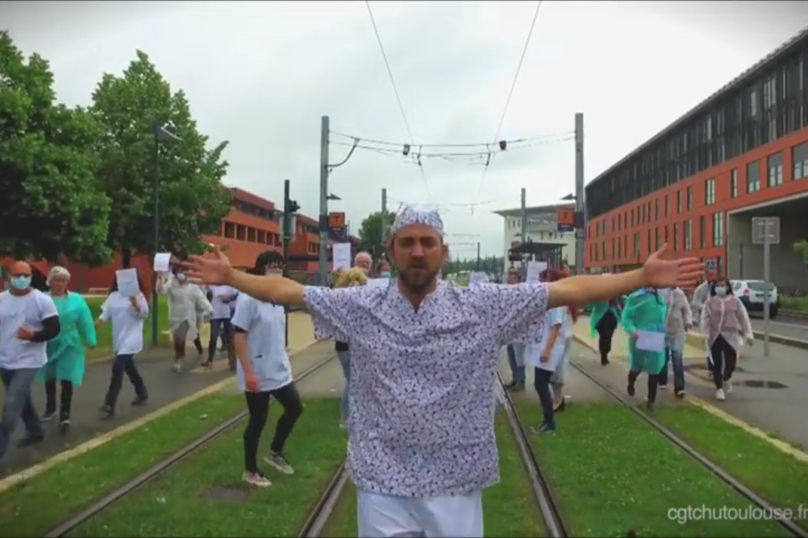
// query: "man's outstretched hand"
[[213, 270], [683, 273]]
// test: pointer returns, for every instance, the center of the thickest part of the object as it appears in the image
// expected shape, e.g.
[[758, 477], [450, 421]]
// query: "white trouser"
[[388, 516]]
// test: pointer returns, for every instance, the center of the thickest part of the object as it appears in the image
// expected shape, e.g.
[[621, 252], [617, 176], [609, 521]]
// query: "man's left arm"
[[585, 289], [50, 320]]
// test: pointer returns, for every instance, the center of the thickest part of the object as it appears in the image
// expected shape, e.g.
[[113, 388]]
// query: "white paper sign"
[[478, 277], [162, 262], [341, 256], [651, 341], [378, 282], [534, 269], [127, 282]]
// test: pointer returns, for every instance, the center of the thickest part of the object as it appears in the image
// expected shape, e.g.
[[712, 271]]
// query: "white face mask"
[[182, 278], [721, 291]]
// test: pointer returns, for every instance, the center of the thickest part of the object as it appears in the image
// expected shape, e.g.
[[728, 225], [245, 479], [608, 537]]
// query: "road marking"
[[731, 419], [102, 439]]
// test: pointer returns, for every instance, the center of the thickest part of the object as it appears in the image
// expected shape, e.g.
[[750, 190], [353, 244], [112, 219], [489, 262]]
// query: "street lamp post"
[[160, 134]]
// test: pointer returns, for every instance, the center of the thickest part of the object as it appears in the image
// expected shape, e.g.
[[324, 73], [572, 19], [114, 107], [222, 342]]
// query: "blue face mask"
[[20, 282], [386, 274]]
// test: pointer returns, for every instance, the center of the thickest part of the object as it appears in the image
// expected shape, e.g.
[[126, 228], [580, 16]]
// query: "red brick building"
[[251, 227], [697, 184]]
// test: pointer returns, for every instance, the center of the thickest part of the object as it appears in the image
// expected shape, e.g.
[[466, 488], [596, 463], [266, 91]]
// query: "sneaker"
[[279, 462], [542, 429], [106, 412], [256, 479], [663, 387], [630, 389], [64, 424], [727, 386], [517, 388], [649, 405], [140, 400], [177, 367], [680, 394], [719, 395], [30, 440], [48, 415]]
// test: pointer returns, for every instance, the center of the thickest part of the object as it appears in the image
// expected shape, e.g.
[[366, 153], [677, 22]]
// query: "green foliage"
[[51, 204], [489, 264], [192, 199], [801, 248], [370, 232]]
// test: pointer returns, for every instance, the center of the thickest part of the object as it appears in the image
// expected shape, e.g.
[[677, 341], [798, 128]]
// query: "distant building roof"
[[250, 198], [747, 76], [534, 210]]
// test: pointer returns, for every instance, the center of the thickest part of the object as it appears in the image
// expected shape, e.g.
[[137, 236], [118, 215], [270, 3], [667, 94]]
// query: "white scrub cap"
[[56, 272], [410, 215]]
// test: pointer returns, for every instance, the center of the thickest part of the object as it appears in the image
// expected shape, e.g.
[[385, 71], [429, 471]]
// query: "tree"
[[801, 248], [370, 231], [192, 198], [51, 206]]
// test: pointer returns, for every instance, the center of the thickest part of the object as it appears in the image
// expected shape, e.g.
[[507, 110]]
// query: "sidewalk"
[[771, 394], [164, 385]]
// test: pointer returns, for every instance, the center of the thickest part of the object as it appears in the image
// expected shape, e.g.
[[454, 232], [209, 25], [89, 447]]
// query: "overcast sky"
[[261, 74]]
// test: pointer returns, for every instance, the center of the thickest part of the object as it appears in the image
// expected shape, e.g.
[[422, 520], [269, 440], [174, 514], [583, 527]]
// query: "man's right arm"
[[269, 288]]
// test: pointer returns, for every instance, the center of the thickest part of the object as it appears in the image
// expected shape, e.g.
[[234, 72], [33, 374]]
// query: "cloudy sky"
[[261, 74]]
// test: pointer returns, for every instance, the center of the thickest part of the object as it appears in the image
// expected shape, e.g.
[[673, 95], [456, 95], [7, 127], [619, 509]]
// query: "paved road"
[[164, 385], [770, 393], [792, 328]]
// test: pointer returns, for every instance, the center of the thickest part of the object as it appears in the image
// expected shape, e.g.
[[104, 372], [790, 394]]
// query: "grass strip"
[[35, 506], [103, 348], [613, 475], [204, 495], [776, 476], [509, 507]]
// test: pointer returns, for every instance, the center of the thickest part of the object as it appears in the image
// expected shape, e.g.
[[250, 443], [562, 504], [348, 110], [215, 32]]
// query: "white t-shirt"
[[554, 316], [221, 310], [127, 323], [27, 311], [264, 324]]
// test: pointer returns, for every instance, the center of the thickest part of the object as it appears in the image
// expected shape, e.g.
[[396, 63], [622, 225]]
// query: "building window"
[[689, 198], [702, 231], [709, 192], [666, 205], [675, 237], [753, 177], [718, 229], [775, 164], [650, 246], [688, 235], [733, 183], [679, 202], [656, 238], [656, 209], [799, 156]]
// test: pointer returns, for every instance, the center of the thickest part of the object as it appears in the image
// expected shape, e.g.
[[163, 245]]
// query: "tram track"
[[789, 525], [163, 465]]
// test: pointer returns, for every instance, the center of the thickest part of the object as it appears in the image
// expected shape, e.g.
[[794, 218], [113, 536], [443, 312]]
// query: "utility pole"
[[478, 255], [383, 235], [322, 272], [580, 211], [156, 212], [524, 222]]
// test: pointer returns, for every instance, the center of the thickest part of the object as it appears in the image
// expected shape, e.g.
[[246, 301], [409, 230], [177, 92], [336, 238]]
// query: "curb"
[[782, 446]]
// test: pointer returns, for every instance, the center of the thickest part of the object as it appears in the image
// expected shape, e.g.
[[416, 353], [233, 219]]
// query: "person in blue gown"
[[66, 352]]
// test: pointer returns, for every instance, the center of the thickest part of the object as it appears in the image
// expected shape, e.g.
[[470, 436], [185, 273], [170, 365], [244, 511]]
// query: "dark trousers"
[[605, 328], [653, 384], [221, 327], [65, 401], [18, 405], [725, 359], [541, 382], [124, 364], [258, 406]]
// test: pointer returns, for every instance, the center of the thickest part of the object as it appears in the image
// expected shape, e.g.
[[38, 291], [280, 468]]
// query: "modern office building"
[[742, 153]]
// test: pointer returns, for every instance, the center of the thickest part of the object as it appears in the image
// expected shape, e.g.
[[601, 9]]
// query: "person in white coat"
[[186, 301], [126, 315], [545, 357], [263, 370]]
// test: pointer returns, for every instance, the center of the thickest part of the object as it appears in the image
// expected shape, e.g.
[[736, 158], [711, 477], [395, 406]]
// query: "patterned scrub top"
[[422, 396]]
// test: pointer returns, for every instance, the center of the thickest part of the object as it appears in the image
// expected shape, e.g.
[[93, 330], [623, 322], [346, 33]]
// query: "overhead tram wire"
[[395, 89], [455, 145], [510, 93]]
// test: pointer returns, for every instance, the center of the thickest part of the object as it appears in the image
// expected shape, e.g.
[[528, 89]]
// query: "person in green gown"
[[66, 352], [603, 322], [644, 311]]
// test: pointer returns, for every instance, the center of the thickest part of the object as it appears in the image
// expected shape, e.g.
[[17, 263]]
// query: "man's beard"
[[417, 281]]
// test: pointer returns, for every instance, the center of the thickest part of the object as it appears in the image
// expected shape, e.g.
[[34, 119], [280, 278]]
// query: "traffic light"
[[290, 207]]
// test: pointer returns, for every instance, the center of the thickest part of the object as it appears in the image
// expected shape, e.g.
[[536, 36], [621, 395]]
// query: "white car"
[[751, 293]]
